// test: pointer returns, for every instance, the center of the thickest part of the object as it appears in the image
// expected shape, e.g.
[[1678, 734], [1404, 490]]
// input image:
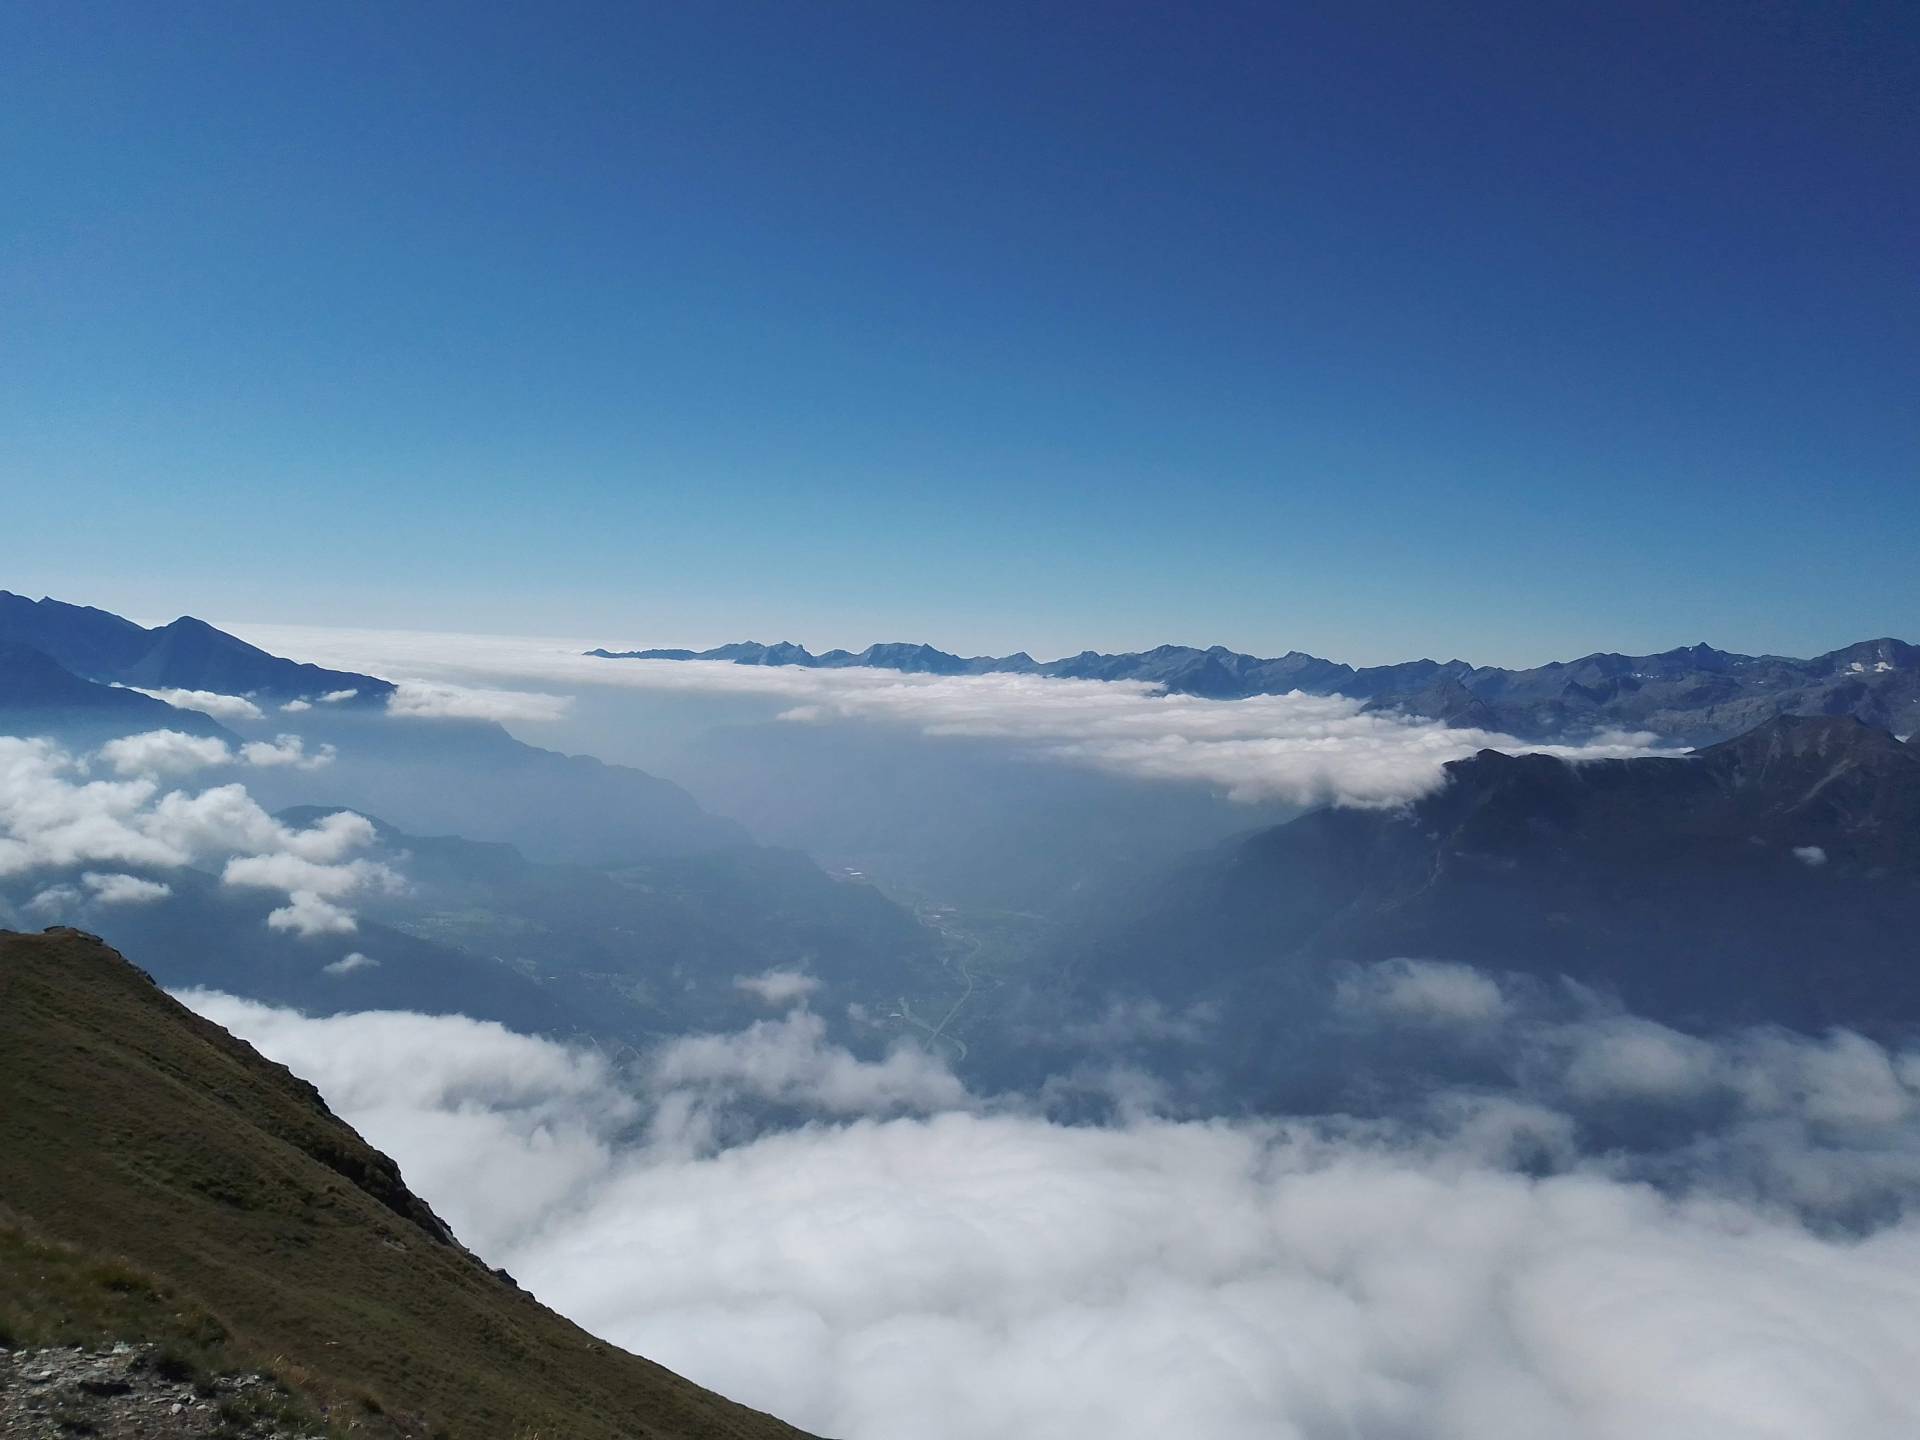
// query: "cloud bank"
[[978, 1270], [418, 699], [208, 702], [1296, 748]]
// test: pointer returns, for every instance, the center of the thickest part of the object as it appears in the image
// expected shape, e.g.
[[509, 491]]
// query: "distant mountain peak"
[[185, 654], [1693, 694]]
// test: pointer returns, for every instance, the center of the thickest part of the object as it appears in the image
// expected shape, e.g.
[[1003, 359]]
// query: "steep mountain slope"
[[1774, 878], [1695, 694], [134, 1129], [189, 654]]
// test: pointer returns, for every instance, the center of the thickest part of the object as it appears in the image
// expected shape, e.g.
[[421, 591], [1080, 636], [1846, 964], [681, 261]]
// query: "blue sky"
[[1502, 331]]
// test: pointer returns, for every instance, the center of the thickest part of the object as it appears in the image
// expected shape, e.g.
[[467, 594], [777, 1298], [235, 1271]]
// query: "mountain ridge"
[[186, 654], [1694, 692]]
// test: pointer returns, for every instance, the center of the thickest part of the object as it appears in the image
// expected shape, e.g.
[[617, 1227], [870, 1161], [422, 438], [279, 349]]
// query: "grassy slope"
[[133, 1129]]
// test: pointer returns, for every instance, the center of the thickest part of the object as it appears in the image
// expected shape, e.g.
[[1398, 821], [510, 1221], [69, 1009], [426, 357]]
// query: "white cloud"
[[313, 888], [1427, 992], [1305, 749], [335, 697], [789, 1061], [113, 889], [1810, 855], [309, 915], [165, 752], [294, 707], [1628, 1058], [207, 702], [970, 1274], [56, 900], [225, 820], [1844, 1080], [778, 988], [461, 702], [347, 964], [292, 873], [99, 889], [287, 750], [52, 818]]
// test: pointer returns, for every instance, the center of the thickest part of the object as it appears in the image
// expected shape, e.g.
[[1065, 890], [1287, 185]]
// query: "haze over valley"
[[790, 1044]]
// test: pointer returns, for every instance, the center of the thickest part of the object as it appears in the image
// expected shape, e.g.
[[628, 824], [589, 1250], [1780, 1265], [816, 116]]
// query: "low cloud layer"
[[123, 889], [778, 988], [418, 699], [96, 889], [789, 1062], [1423, 992], [1826, 1126], [170, 752], [208, 702], [54, 816], [1296, 748], [975, 1269]]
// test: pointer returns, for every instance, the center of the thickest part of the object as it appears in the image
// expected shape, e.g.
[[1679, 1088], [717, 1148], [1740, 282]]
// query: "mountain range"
[[1694, 695]]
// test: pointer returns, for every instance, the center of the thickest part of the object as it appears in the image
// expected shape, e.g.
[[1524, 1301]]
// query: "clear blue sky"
[[1506, 331]]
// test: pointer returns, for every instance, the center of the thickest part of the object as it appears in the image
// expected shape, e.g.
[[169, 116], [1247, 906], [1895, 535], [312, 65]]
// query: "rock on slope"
[[139, 1392]]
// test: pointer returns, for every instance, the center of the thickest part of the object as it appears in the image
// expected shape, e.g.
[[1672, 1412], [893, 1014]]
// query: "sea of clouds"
[[1297, 748], [869, 1250]]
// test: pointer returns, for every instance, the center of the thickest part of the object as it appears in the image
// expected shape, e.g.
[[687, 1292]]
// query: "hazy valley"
[[1620, 963]]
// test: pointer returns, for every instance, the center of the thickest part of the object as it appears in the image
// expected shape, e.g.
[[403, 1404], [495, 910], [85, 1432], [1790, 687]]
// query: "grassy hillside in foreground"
[[144, 1136]]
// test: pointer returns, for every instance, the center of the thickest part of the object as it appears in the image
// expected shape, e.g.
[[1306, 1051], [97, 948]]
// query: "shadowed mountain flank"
[[1771, 879], [40, 696], [189, 654]]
